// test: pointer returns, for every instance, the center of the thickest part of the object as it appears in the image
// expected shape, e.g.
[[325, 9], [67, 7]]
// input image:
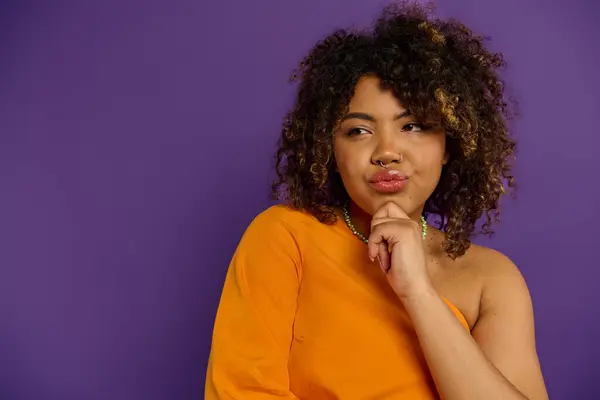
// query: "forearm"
[[459, 367]]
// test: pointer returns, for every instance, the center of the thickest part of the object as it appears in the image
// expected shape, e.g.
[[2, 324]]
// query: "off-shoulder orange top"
[[304, 314]]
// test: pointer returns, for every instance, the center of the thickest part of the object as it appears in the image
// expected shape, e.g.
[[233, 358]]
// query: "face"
[[378, 132]]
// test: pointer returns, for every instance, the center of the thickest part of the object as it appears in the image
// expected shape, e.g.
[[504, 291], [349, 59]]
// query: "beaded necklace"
[[363, 238]]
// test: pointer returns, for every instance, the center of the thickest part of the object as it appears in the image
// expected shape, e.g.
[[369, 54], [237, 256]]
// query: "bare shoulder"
[[489, 263], [502, 284], [505, 328], [494, 269], [480, 281]]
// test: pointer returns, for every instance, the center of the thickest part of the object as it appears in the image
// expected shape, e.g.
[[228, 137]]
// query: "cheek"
[[446, 157], [350, 163], [433, 160], [429, 164], [443, 145], [343, 157], [436, 155], [345, 168]]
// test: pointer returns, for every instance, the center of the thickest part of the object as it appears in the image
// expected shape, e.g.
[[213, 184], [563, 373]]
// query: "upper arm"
[[253, 327], [505, 328]]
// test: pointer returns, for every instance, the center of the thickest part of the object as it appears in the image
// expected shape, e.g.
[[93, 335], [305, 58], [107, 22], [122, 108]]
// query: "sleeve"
[[253, 327]]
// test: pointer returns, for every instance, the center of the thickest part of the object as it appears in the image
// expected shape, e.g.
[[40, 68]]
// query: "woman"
[[345, 292]]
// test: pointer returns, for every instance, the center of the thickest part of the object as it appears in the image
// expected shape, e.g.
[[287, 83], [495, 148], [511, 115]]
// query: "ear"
[[446, 158]]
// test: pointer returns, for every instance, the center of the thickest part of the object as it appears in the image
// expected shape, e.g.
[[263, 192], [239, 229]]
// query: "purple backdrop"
[[136, 145]]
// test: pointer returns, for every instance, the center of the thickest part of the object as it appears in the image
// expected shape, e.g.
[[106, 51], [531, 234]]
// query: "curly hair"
[[439, 69]]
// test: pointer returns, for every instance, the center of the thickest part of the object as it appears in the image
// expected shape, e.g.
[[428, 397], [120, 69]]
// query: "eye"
[[413, 127], [357, 132]]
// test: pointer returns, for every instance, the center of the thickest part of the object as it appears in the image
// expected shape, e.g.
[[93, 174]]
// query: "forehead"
[[373, 98]]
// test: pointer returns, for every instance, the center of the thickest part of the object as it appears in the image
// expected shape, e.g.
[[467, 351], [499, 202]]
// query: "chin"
[[406, 205], [374, 203]]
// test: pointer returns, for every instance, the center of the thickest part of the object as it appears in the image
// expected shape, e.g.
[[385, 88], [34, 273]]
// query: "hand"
[[397, 242]]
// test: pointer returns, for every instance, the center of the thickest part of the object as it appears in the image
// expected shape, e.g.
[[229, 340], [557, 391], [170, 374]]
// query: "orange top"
[[305, 315]]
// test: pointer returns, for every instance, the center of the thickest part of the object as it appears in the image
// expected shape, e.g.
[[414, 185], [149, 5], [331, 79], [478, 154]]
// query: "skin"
[[498, 360]]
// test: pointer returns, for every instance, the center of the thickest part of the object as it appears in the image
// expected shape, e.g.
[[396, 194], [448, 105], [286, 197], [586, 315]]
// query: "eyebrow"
[[369, 117]]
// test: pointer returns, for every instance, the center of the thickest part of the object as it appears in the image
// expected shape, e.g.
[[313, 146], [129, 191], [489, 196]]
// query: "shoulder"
[[505, 327], [282, 216], [501, 280], [273, 238], [280, 212], [491, 265], [279, 224]]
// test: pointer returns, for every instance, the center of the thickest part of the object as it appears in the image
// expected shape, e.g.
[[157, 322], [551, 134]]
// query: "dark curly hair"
[[439, 70]]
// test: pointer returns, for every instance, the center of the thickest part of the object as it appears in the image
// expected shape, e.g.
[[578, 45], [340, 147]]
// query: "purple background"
[[136, 145]]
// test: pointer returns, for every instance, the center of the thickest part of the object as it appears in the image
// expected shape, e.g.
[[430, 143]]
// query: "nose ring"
[[385, 166]]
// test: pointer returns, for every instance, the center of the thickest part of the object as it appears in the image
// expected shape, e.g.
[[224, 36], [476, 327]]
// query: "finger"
[[373, 245], [382, 234], [384, 257], [379, 221], [390, 210]]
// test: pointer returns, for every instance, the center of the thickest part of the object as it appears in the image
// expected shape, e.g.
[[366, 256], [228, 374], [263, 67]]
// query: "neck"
[[362, 220]]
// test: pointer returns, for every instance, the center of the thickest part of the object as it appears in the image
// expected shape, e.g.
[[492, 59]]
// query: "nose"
[[387, 152]]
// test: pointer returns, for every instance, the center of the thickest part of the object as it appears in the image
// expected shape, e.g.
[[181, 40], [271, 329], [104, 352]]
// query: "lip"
[[388, 181]]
